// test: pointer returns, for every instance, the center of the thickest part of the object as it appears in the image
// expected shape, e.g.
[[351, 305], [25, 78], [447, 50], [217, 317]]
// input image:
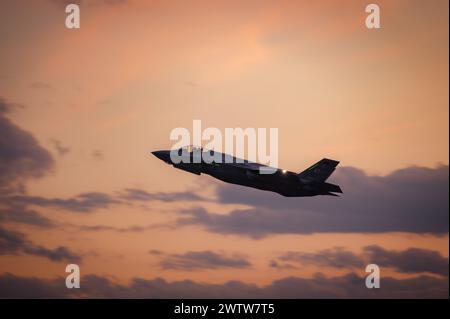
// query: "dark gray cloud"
[[348, 286], [135, 194], [130, 229], [89, 202], [412, 260], [83, 203], [13, 242], [4, 106], [21, 155], [412, 200], [21, 158], [337, 257], [277, 265], [18, 213], [200, 260], [60, 253], [16, 208]]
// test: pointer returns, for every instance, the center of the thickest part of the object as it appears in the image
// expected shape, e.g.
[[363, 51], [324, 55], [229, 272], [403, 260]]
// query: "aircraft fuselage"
[[242, 172]]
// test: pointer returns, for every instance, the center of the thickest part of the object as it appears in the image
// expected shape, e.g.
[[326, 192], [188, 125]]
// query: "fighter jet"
[[310, 182]]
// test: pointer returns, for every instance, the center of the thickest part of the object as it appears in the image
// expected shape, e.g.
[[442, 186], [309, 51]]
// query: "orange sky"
[[373, 99]]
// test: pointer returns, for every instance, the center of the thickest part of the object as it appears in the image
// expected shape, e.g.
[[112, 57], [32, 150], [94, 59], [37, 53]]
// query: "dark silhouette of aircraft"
[[310, 182]]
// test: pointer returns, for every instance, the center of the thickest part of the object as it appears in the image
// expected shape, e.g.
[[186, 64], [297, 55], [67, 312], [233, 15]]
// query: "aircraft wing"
[[248, 165]]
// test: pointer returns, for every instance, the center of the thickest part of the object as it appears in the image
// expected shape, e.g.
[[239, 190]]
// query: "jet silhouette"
[[310, 182]]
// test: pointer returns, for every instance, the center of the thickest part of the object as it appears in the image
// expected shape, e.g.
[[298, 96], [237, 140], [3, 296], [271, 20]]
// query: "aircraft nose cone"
[[162, 155]]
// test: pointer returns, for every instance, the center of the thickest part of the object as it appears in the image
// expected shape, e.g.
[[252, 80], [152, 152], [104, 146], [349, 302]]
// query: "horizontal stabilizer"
[[332, 188], [332, 194]]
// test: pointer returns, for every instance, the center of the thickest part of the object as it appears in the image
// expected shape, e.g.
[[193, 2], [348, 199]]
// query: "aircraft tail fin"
[[319, 172]]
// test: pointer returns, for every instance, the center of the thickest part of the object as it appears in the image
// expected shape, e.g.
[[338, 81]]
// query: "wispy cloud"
[[83, 203], [337, 258], [18, 213], [59, 147], [13, 242], [409, 261], [142, 195], [201, 260], [412, 260]]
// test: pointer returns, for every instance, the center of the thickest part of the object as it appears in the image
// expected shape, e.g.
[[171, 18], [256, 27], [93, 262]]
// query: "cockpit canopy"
[[191, 148]]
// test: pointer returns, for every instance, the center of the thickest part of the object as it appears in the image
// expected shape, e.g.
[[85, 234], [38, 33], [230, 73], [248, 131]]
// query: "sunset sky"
[[81, 110]]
